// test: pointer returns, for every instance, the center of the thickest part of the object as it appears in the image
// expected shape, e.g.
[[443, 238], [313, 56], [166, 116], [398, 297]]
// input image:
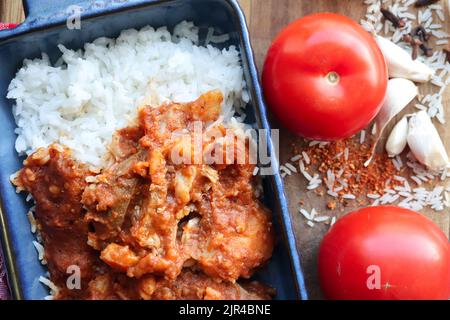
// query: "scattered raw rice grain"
[[306, 157], [313, 186], [332, 193], [404, 194], [362, 137], [307, 175], [305, 214], [444, 174], [338, 155], [313, 143], [440, 34], [374, 129], [435, 26], [301, 166], [291, 167], [285, 170], [416, 180], [396, 164], [333, 221], [310, 223], [321, 219], [440, 15], [420, 106], [393, 198]]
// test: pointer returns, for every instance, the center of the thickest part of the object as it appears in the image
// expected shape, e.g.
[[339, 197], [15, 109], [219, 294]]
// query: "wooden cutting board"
[[266, 18]]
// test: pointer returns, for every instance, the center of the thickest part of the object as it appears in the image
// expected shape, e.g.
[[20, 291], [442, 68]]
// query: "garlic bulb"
[[401, 65], [397, 140], [425, 142], [400, 92]]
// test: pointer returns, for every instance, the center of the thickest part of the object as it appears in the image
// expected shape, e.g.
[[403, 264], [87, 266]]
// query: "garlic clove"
[[397, 140], [425, 142], [400, 92], [401, 65]]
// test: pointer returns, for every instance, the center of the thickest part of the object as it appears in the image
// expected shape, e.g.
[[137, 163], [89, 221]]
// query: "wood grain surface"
[[266, 18], [11, 11]]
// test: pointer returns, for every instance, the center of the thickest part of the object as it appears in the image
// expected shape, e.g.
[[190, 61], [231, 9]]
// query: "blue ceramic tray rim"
[[44, 14]]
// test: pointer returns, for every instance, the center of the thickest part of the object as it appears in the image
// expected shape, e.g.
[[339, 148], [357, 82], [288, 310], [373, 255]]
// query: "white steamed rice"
[[88, 94]]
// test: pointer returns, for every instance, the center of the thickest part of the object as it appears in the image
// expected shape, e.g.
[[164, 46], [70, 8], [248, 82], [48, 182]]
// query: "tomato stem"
[[333, 78]]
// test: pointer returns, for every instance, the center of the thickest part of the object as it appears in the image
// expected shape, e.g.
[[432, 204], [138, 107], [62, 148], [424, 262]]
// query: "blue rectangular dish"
[[45, 28]]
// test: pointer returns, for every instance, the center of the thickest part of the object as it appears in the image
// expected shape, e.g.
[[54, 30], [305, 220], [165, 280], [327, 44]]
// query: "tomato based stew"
[[149, 226]]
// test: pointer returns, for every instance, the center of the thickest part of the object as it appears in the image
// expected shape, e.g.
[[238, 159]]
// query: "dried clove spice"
[[396, 21], [421, 33], [447, 54], [415, 43], [407, 38], [427, 51], [418, 39], [423, 3]]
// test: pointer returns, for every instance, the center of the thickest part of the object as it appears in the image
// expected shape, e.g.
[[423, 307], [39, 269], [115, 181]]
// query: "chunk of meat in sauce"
[[189, 285], [234, 234], [57, 182], [196, 286], [222, 198], [146, 218]]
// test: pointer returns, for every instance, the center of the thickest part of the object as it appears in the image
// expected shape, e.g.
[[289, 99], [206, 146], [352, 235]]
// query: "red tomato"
[[385, 252], [325, 77]]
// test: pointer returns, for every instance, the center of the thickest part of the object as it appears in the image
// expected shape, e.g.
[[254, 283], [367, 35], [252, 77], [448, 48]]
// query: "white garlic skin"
[[400, 92], [397, 140], [425, 142], [400, 63]]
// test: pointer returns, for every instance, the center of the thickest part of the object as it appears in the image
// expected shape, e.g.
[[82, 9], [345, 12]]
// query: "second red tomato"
[[325, 77], [385, 253]]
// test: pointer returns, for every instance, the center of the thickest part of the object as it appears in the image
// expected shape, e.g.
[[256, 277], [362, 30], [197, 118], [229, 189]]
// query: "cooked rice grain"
[[95, 91]]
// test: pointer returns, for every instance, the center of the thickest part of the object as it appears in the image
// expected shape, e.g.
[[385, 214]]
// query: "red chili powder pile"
[[361, 180]]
